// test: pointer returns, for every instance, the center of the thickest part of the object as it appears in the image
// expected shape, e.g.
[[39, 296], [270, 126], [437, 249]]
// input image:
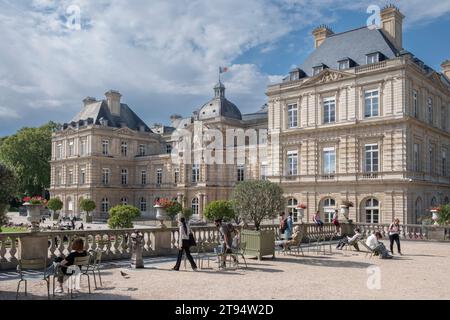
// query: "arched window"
[[372, 208], [434, 202], [418, 210], [195, 206], [292, 204], [143, 204], [105, 205], [329, 206], [124, 201]]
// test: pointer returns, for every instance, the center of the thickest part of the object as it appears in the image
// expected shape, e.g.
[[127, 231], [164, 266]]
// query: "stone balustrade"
[[116, 244]]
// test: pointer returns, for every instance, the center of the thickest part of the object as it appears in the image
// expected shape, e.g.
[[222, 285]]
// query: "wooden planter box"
[[259, 243]]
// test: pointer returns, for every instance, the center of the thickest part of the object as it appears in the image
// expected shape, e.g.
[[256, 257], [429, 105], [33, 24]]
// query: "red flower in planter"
[[302, 206]]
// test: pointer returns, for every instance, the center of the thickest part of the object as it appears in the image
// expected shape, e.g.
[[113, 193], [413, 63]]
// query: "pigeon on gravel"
[[125, 275]]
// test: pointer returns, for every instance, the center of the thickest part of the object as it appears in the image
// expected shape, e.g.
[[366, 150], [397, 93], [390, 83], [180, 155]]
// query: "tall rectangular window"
[[70, 177], [105, 175], [177, 175], [124, 148], [371, 98], [58, 177], [240, 173], [444, 163], [168, 148], [143, 177], [292, 116], [415, 104], [71, 148], [159, 176], [195, 173], [292, 164], [83, 149], [329, 161], [416, 151], [82, 176], [264, 171], [124, 176], [105, 147], [329, 110], [432, 159], [371, 158], [59, 151], [430, 110], [142, 150], [443, 118]]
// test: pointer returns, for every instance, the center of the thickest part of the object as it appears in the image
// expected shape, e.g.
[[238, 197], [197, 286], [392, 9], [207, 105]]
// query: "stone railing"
[[116, 244], [408, 231]]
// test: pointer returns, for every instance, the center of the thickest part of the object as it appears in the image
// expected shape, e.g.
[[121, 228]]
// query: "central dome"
[[219, 106]]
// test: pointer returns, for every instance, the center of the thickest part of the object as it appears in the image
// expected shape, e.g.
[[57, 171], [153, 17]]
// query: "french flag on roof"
[[223, 69]]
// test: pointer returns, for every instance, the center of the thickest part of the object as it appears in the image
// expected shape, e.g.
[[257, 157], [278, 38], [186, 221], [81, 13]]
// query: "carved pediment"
[[125, 131], [327, 76]]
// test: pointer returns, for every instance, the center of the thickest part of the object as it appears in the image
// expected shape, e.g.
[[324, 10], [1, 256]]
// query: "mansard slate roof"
[[354, 44], [219, 106], [99, 109]]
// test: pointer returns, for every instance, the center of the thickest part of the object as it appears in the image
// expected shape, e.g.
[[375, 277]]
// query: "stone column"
[[200, 206], [161, 241], [205, 203]]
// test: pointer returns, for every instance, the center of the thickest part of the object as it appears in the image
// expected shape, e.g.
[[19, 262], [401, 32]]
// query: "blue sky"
[[163, 56]]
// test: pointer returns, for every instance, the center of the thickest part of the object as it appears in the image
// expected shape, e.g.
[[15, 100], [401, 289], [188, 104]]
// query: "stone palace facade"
[[362, 119]]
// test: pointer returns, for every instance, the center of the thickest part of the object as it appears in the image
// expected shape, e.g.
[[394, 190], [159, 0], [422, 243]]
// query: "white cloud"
[[7, 113], [150, 49]]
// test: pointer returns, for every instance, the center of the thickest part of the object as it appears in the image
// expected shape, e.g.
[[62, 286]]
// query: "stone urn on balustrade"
[[34, 215], [161, 214], [435, 217]]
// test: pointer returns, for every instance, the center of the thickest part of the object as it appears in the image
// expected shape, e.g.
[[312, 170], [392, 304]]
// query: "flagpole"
[[219, 74]]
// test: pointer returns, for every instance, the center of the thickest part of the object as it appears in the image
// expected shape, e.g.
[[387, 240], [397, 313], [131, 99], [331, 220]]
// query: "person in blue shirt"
[[289, 227]]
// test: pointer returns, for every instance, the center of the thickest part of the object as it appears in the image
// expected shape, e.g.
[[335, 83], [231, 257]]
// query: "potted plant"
[[87, 205], [221, 209], [345, 208], [173, 209], [121, 216], [441, 218], [255, 201], [55, 204], [34, 206], [436, 215], [301, 211]]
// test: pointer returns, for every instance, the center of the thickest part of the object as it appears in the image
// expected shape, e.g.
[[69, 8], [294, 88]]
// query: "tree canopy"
[[29, 153], [55, 204], [87, 205], [122, 216], [7, 190], [258, 200], [221, 209]]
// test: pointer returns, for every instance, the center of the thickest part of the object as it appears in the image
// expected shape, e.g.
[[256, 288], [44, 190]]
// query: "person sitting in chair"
[[285, 244], [63, 263], [377, 246], [353, 241]]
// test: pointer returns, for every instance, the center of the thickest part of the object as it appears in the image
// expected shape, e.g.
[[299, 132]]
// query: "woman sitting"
[[61, 267], [295, 241]]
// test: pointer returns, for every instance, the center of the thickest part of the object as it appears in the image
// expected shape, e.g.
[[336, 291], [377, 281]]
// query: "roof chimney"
[[89, 100], [320, 34], [446, 68], [392, 25], [113, 100]]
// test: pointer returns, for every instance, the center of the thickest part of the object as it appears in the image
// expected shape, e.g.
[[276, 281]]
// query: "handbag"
[[192, 242]]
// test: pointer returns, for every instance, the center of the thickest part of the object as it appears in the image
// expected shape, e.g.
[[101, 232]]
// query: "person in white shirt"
[[353, 241], [373, 243], [184, 245]]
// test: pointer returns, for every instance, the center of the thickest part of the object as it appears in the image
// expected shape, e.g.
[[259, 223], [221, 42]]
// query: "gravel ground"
[[422, 273]]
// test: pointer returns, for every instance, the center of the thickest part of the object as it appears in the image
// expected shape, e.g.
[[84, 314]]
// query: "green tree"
[[187, 213], [174, 209], [221, 209], [29, 153], [55, 204], [7, 191], [87, 205], [121, 216], [444, 215], [258, 200]]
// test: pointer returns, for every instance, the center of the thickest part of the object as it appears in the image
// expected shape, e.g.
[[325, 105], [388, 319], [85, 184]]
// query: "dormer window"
[[373, 58], [344, 65], [318, 69], [296, 74]]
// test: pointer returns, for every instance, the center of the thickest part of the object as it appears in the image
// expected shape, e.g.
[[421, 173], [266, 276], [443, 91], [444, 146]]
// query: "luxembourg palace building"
[[361, 119]]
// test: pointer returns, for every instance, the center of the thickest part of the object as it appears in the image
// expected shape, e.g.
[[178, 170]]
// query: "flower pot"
[[55, 216], [345, 211], [34, 215], [300, 214], [87, 218], [161, 214], [259, 243], [435, 217]]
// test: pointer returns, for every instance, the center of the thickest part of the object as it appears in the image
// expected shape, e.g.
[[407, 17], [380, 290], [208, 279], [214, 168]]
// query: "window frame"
[[292, 116], [372, 152], [371, 99], [329, 110]]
